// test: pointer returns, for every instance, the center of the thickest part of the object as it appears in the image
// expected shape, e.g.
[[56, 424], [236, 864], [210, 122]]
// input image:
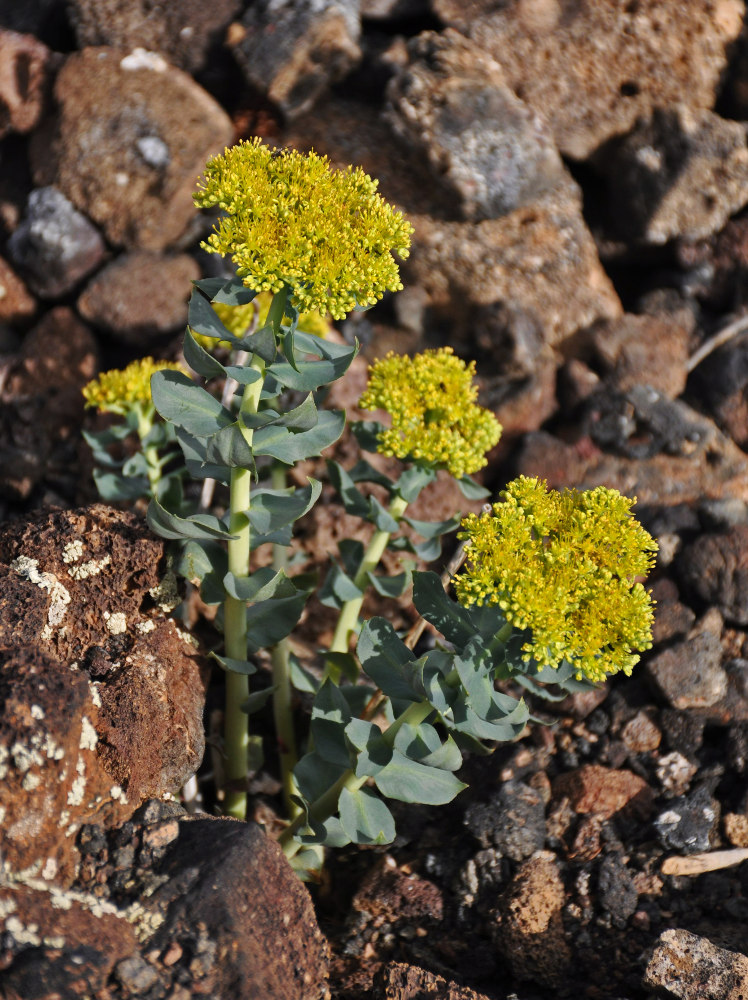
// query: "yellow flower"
[[120, 390], [289, 219], [435, 419], [564, 566]]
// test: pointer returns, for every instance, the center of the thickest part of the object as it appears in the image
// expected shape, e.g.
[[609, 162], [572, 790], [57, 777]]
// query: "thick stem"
[[348, 620], [145, 414], [326, 805], [236, 729], [282, 712]]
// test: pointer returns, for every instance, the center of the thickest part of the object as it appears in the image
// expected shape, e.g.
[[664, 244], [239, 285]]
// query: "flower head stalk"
[[565, 566], [431, 399], [289, 219]]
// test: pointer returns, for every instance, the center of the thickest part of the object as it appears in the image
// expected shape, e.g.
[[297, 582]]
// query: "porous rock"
[[400, 981], [23, 75], [721, 385], [690, 967], [690, 822], [55, 245], [689, 674], [714, 567], [128, 142], [593, 69], [293, 50], [163, 286], [52, 778], [183, 32], [487, 150], [233, 884], [679, 173], [42, 414], [16, 304], [604, 791], [60, 943], [531, 931], [642, 350], [389, 893], [513, 820]]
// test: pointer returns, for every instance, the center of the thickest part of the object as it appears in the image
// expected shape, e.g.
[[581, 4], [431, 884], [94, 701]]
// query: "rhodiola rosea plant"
[[550, 595]]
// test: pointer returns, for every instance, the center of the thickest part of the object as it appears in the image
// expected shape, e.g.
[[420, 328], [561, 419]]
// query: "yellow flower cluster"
[[431, 399], [564, 566], [121, 389], [289, 219]]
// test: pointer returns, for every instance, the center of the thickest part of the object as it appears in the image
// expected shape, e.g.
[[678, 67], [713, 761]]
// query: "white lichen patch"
[[3, 812], [145, 627], [91, 568], [37, 712], [55, 941], [141, 58], [93, 687], [78, 788], [118, 794], [73, 551], [145, 922], [89, 738], [29, 569], [7, 906], [30, 782], [50, 869], [21, 934], [25, 757], [166, 593], [187, 637], [64, 817], [116, 623]]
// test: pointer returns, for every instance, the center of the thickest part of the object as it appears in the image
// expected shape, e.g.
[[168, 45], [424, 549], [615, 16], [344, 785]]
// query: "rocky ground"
[[577, 176]]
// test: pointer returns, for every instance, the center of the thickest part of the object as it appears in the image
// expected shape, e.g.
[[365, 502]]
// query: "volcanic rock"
[[23, 77]]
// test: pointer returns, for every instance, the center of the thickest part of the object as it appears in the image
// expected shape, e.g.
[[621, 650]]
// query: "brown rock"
[[44, 936], [293, 50], [592, 69], [680, 173], [642, 350], [23, 76], [715, 568], [42, 414], [640, 734], [690, 967], [16, 304], [400, 981], [93, 570], [720, 382], [736, 829], [596, 789], [689, 674], [395, 895], [231, 885], [487, 150], [531, 932], [136, 177], [52, 778], [182, 32], [672, 618], [163, 283]]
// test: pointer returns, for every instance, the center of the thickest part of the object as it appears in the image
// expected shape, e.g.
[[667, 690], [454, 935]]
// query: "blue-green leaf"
[[472, 490], [257, 700], [389, 586], [337, 588], [112, 486], [196, 526], [408, 781], [273, 509], [365, 818], [381, 518], [308, 376], [353, 500], [232, 292], [450, 618], [372, 752], [423, 744], [367, 433], [274, 619], [351, 553], [179, 399], [413, 480], [314, 775], [330, 716], [195, 458], [345, 664], [301, 678], [260, 586], [289, 448], [199, 359], [433, 529], [228, 448], [234, 666], [198, 558], [364, 472], [203, 319], [383, 656]]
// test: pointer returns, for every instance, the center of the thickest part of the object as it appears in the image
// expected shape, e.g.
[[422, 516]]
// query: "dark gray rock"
[[513, 820], [689, 823], [293, 50], [689, 674], [715, 569], [616, 889], [55, 245], [490, 152]]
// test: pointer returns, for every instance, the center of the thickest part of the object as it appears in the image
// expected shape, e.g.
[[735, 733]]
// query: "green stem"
[[326, 805], [282, 711], [236, 729], [348, 619], [146, 414]]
